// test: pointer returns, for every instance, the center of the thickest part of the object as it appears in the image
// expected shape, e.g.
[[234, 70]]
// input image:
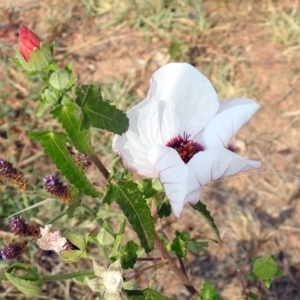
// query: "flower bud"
[[11, 175], [19, 227], [33, 55], [28, 42], [12, 250], [57, 189]]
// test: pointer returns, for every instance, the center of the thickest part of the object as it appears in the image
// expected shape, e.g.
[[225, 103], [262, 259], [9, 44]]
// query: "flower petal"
[[143, 134], [193, 197], [233, 114], [191, 101], [215, 163], [173, 174]]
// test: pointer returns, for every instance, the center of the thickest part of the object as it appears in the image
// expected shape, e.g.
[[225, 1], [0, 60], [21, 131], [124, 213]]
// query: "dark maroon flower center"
[[186, 148]]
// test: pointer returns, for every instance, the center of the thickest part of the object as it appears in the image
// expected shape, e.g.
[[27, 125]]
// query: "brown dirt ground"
[[257, 213]]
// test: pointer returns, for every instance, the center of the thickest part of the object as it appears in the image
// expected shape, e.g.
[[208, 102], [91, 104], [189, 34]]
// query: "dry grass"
[[247, 48]]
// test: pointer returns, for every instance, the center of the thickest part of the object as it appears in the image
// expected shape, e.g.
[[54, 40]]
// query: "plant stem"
[[182, 268], [68, 275], [171, 263], [148, 258], [243, 285], [139, 272], [94, 158]]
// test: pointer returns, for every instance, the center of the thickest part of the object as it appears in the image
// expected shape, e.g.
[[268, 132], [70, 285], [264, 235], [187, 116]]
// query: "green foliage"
[[208, 292], [134, 207], [165, 209], [147, 188], [178, 246], [147, 294], [99, 113], [106, 235], [80, 242], [129, 256], [67, 114], [253, 296], [30, 285], [208, 218], [197, 246], [183, 241], [54, 145], [265, 268]]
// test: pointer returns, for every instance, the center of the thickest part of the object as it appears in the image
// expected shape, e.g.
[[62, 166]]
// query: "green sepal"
[[106, 234], [59, 79], [71, 256], [265, 268], [39, 59]]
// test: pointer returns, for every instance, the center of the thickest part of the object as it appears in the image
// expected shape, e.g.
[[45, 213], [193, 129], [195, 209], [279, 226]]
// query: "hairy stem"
[[94, 158], [141, 271], [171, 263]]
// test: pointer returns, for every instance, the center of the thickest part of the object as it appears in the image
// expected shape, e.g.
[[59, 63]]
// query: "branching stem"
[[139, 272], [178, 273]]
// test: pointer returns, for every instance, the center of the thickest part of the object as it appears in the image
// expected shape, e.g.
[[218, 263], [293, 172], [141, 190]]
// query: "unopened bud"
[[11, 175], [13, 250], [19, 227], [57, 189], [28, 42]]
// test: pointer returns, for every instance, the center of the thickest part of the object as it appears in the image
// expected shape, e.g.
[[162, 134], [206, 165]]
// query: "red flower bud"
[[28, 41]]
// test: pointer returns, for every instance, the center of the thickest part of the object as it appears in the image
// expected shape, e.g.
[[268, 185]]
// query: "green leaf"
[[165, 209], [185, 236], [129, 255], [147, 188], [208, 292], [147, 294], [54, 145], [68, 117], [30, 285], [134, 207], [208, 218], [99, 113], [252, 296], [178, 246], [197, 246]]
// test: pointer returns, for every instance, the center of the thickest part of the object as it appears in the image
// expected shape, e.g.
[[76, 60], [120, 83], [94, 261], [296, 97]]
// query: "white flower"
[[109, 282], [179, 134], [52, 240]]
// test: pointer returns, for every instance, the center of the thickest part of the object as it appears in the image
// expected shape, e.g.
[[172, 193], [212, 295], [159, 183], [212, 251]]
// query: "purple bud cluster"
[[83, 160], [19, 227], [11, 174], [12, 250], [80, 159], [6, 168], [57, 189]]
